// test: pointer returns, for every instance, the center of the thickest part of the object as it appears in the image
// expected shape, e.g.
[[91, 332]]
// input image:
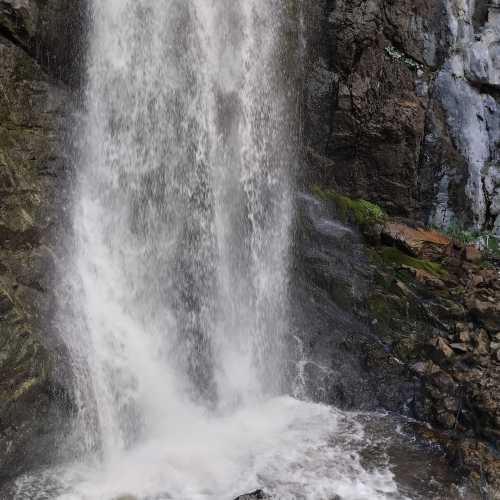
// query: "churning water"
[[182, 217]]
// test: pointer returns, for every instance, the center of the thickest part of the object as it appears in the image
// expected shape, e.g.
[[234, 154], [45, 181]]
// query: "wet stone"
[[443, 348], [473, 254], [482, 343], [459, 347], [464, 336]]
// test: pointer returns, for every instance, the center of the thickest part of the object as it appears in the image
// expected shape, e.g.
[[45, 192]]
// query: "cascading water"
[[181, 221], [183, 210]]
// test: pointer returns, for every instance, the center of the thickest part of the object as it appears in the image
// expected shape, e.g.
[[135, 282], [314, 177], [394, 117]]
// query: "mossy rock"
[[394, 256], [359, 211]]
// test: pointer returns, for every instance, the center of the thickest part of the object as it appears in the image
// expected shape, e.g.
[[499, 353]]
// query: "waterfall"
[[179, 274], [183, 210]]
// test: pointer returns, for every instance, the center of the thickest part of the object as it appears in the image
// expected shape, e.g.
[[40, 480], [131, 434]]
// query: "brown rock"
[[459, 347], [476, 280], [473, 254], [482, 342], [485, 310], [417, 242], [442, 347], [464, 336], [490, 276], [470, 376], [428, 279], [33, 172]]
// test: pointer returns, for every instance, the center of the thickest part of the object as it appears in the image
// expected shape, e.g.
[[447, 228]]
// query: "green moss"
[[363, 212], [392, 255]]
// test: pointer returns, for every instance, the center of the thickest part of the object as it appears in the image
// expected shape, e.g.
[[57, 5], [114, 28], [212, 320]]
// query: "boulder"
[[461, 348], [485, 308], [421, 243], [473, 254], [442, 348], [482, 343]]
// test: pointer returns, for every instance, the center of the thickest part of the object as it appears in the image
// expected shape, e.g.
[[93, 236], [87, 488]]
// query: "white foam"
[[292, 449]]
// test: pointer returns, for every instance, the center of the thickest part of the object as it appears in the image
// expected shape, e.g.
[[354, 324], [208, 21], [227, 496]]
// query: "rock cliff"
[[36, 64], [402, 106]]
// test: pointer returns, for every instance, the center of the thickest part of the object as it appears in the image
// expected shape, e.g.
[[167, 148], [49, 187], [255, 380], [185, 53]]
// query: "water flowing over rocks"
[[401, 113], [416, 328]]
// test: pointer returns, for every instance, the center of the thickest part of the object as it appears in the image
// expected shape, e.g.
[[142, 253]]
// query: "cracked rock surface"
[[402, 106]]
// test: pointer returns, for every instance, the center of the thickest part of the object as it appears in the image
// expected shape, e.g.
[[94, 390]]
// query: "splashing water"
[[183, 212], [182, 218]]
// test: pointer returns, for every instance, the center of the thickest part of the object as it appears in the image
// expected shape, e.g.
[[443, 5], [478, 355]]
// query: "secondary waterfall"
[[178, 330]]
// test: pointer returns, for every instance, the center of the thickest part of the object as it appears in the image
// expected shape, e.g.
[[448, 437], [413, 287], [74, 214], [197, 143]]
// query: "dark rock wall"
[[34, 109], [402, 104], [402, 108], [345, 361], [401, 323], [50, 31]]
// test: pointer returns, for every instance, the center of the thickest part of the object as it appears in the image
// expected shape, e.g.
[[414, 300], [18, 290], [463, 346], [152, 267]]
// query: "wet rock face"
[[33, 167], [345, 362], [51, 32], [406, 322], [402, 106], [366, 96]]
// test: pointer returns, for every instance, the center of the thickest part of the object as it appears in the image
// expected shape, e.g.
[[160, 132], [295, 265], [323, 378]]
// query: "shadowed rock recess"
[[396, 305]]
